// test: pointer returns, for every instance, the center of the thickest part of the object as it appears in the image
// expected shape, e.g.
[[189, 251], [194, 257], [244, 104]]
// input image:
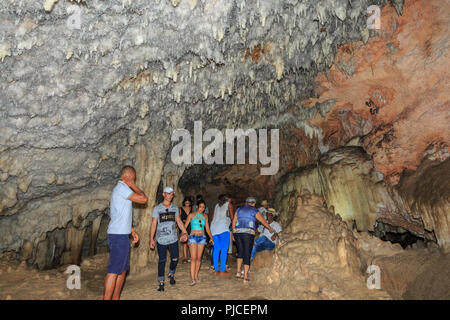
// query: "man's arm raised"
[[138, 196]]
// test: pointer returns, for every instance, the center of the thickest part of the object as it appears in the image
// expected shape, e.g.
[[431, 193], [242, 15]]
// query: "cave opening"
[[405, 239]]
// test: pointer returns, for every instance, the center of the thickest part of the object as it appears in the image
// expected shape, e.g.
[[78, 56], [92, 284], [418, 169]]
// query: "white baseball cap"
[[168, 190], [250, 200]]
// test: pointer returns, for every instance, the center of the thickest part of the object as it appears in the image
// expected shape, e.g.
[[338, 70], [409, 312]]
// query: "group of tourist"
[[198, 228]]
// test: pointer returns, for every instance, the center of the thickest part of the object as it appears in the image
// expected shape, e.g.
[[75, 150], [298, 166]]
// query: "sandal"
[[239, 275], [246, 280]]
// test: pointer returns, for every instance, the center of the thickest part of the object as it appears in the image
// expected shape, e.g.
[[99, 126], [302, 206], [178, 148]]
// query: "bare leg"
[[199, 262], [246, 268], [193, 251], [110, 283], [239, 265], [119, 284], [185, 251]]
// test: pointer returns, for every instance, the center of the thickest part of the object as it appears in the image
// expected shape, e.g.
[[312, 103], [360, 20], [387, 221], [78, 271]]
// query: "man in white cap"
[[165, 217]]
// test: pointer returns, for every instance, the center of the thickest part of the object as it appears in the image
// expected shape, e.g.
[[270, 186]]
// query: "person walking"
[[165, 217], [221, 220], [197, 239], [244, 224]]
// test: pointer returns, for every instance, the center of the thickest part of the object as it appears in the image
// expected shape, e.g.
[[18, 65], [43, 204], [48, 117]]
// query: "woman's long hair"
[[187, 199]]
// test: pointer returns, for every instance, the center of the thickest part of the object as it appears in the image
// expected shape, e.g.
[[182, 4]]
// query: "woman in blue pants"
[[220, 229]]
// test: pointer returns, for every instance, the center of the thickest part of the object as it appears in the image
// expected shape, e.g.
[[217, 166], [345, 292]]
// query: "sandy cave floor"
[[20, 282]]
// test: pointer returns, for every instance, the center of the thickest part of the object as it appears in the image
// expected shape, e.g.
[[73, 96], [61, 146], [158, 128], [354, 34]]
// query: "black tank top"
[[183, 215]]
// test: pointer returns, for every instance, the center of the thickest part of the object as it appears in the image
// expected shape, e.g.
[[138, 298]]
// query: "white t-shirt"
[[221, 222], [120, 209], [265, 232]]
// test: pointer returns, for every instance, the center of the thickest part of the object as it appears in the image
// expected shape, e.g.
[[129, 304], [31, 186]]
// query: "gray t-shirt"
[[166, 231]]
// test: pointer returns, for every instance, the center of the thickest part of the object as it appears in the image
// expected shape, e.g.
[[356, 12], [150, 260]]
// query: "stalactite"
[[94, 235], [150, 164]]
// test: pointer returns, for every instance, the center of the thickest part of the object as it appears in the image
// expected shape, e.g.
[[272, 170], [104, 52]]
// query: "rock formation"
[[317, 253]]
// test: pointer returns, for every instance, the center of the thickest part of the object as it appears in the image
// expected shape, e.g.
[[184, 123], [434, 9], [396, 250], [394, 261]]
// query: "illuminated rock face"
[[352, 188], [403, 73]]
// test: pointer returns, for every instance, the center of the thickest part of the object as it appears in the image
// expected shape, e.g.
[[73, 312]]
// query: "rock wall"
[[352, 188], [400, 75], [425, 191]]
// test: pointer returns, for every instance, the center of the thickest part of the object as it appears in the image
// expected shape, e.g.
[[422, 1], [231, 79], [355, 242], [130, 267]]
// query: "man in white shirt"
[[267, 240], [119, 230]]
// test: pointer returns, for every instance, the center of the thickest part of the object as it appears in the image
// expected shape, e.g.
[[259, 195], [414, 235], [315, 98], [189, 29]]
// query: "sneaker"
[[172, 279], [161, 286]]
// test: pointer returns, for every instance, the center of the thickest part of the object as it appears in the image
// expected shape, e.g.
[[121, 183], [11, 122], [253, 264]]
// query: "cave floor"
[[19, 282], [143, 286]]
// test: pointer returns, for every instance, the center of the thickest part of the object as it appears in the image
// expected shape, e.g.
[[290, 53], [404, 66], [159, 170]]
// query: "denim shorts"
[[195, 239]]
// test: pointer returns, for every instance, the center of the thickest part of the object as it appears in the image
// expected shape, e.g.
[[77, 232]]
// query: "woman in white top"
[[220, 229]]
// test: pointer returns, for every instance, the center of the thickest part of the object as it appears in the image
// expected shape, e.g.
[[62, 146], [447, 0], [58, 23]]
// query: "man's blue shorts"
[[119, 253]]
